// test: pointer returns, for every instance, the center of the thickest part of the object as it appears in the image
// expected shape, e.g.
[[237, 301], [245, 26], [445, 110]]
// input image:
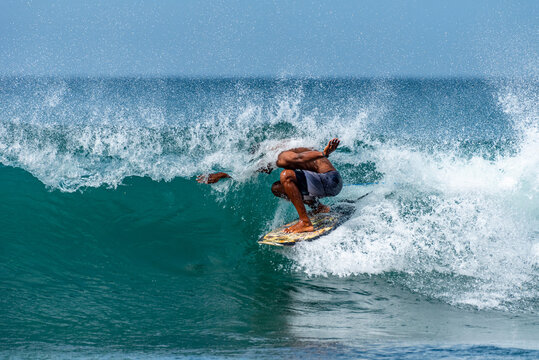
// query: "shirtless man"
[[308, 175]]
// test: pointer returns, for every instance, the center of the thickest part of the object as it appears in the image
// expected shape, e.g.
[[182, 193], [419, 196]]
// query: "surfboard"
[[323, 224]]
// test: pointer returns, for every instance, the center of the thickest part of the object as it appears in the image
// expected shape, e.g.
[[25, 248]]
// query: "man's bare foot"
[[291, 228], [300, 227], [320, 209]]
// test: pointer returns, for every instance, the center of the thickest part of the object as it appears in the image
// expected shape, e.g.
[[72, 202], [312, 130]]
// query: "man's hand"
[[212, 178], [331, 146], [266, 169]]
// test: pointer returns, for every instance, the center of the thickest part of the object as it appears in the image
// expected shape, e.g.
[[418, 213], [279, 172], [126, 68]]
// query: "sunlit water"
[[110, 248]]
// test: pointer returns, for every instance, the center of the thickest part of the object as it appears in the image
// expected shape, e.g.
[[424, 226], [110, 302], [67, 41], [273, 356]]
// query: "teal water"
[[109, 248]]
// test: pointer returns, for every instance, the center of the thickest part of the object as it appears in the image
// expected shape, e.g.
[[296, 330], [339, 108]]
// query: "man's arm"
[[266, 169], [289, 159], [332, 145], [293, 159], [212, 178], [300, 149]]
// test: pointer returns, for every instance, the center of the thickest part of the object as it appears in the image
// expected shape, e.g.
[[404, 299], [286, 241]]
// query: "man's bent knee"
[[287, 175]]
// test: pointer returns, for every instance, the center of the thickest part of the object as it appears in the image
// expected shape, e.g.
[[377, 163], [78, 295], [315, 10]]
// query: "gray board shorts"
[[315, 185]]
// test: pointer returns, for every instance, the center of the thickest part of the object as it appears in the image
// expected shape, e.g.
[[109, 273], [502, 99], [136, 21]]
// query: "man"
[[308, 175]]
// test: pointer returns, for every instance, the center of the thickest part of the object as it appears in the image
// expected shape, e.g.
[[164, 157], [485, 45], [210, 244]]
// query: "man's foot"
[[320, 209], [300, 227]]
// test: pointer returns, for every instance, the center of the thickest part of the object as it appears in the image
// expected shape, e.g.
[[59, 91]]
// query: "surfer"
[[308, 175]]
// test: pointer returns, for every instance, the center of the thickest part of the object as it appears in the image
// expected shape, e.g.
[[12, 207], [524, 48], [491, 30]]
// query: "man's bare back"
[[319, 165]]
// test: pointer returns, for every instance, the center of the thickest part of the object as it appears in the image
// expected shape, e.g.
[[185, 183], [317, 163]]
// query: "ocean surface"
[[109, 248]]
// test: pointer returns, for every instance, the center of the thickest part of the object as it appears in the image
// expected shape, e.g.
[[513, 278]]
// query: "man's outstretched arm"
[[212, 178]]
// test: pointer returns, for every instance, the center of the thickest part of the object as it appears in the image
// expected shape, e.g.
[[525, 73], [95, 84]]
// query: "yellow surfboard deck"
[[322, 223]]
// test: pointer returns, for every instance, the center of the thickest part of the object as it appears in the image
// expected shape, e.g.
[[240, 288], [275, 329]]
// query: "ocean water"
[[109, 248]]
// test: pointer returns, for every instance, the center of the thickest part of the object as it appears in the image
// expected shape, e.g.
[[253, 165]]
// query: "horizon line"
[[268, 77]]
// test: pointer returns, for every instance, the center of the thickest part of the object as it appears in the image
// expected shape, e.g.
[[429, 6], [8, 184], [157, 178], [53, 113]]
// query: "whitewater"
[[106, 231]]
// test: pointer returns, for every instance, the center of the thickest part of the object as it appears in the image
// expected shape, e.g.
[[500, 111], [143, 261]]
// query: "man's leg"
[[317, 207], [288, 180]]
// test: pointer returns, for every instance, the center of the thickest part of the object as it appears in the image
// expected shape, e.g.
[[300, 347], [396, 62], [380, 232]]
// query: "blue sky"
[[425, 38]]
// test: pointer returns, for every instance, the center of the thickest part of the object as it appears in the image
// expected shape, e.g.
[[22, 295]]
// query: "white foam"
[[472, 220]]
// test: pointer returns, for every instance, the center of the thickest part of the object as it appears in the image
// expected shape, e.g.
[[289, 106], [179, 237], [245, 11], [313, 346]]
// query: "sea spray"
[[459, 229], [453, 217]]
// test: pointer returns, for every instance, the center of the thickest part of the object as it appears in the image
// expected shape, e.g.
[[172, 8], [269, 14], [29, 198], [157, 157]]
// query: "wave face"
[[106, 234]]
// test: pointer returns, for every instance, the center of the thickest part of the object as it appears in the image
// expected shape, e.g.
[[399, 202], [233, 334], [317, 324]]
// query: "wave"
[[458, 229], [70, 145], [455, 218]]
